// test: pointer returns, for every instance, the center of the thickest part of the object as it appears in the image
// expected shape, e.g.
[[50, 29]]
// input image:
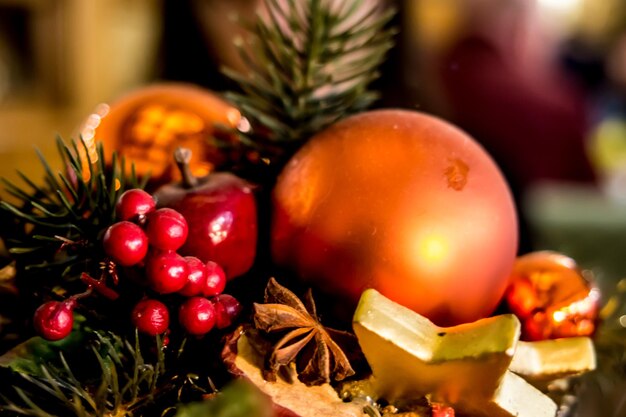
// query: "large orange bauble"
[[148, 124], [402, 202]]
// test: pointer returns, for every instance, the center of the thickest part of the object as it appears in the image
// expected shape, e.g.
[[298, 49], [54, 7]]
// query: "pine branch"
[[53, 230], [123, 384], [310, 64]]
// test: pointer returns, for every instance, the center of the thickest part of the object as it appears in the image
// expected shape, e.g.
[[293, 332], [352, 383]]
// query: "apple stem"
[[183, 157]]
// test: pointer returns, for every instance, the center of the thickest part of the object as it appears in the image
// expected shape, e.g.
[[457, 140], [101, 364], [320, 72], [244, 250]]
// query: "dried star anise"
[[306, 342]]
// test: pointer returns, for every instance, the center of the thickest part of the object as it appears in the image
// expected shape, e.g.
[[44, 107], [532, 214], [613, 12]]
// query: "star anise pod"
[[306, 343]]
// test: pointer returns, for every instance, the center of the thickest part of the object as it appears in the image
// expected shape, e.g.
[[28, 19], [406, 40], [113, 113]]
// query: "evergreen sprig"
[[310, 64], [53, 230], [124, 382]]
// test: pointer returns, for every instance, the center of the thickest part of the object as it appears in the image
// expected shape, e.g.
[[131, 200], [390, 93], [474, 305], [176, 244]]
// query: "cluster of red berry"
[[149, 237]]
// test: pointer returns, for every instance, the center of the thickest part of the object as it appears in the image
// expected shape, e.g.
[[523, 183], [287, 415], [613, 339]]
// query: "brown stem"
[[74, 298], [182, 156], [99, 286]]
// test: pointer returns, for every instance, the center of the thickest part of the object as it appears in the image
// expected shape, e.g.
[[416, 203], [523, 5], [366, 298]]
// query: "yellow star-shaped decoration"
[[465, 366], [546, 360]]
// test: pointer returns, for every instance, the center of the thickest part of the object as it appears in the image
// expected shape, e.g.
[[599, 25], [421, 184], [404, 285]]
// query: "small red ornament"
[[401, 202], [166, 272], [227, 309], [134, 204], [196, 278], [126, 243], [54, 320], [166, 229], [440, 410], [551, 297], [151, 317], [197, 316], [216, 280], [220, 210]]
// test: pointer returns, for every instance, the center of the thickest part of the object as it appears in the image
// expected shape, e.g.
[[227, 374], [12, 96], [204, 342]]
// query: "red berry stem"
[[99, 286], [182, 156], [74, 298]]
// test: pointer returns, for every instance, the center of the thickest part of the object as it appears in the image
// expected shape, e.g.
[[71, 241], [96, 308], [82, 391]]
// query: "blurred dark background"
[[540, 83]]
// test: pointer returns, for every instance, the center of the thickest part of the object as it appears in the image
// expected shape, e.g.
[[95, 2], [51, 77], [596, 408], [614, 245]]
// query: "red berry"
[[215, 281], [54, 320], [197, 316], [166, 229], [134, 204], [166, 272], [227, 309], [125, 243], [151, 317], [197, 277], [440, 410]]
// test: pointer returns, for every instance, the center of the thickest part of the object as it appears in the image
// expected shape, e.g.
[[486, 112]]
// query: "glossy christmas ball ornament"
[[151, 317], [227, 309], [551, 297], [147, 125], [196, 278], [126, 243], [216, 280], [54, 320], [134, 204], [166, 229], [167, 272], [197, 316], [402, 202]]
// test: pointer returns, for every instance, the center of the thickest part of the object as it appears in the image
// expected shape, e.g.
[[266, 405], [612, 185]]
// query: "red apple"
[[221, 214]]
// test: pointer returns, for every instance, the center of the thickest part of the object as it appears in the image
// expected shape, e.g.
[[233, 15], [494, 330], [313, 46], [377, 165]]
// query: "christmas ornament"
[[166, 229], [148, 124], [197, 316], [401, 202], [54, 320], [126, 243], [551, 297], [216, 280], [548, 360], [227, 309], [440, 410], [151, 317], [221, 213], [465, 366], [196, 277], [134, 205], [166, 272]]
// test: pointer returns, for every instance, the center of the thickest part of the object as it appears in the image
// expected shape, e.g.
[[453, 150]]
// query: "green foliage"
[[29, 356], [53, 230], [310, 64], [108, 377]]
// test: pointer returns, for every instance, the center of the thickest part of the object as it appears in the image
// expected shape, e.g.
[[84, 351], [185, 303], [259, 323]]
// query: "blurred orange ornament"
[[441, 410], [148, 124], [401, 202], [551, 297]]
